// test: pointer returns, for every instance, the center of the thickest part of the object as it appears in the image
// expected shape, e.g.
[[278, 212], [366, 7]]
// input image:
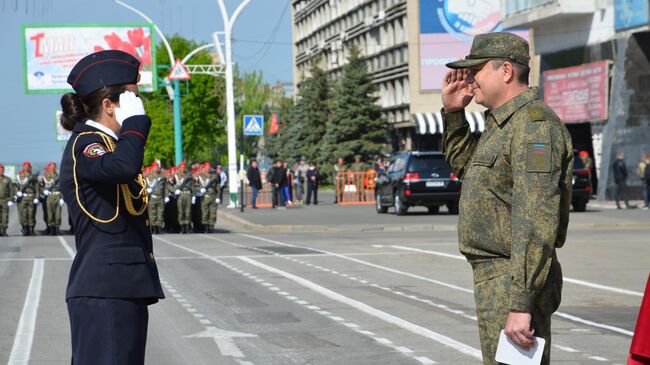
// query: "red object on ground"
[[640, 349]]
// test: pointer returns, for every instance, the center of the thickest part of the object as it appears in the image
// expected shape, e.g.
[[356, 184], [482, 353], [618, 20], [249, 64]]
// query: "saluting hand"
[[456, 92], [130, 105]]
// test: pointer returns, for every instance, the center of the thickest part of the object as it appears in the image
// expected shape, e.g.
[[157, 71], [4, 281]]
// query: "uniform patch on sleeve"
[[94, 150], [538, 157]]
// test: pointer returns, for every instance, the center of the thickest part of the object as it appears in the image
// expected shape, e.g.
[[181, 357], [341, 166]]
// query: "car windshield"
[[427, 164]]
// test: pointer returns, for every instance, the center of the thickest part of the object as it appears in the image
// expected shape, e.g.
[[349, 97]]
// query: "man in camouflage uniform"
[[184, 191], [27, 196], [359, 168], [158, 189], [208, 183], [53, 199], [7, 191], [519, 175]]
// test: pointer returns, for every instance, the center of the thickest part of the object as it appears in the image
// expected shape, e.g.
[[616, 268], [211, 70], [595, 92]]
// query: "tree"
[[312, 112], [355, 125], [202, 111], [251, 98]]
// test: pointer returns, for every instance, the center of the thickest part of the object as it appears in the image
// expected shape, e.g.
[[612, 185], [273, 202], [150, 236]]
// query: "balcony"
[[533, 13]]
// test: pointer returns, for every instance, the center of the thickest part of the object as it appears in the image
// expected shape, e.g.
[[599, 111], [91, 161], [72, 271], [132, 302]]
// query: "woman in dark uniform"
[[113, 276]]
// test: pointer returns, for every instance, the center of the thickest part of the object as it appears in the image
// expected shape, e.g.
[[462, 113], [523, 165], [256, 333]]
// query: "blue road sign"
[[253, 125]]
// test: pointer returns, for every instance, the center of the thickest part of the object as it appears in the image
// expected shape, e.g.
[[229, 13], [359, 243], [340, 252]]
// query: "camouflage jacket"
[[28, 184], [514, 208], [7, 188], [50, 182], [159, 186], [209, 182]]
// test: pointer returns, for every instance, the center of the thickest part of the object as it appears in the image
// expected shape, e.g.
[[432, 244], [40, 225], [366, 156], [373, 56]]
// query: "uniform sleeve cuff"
[[453, 120], [520, 302], [138, 125]]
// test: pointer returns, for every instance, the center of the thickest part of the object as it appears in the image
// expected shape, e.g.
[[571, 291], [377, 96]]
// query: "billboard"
[[50, 52], [630, 13], [447, 28], [578, 94]]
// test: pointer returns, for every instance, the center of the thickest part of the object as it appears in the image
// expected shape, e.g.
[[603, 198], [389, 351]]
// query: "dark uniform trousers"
[[114, 275]]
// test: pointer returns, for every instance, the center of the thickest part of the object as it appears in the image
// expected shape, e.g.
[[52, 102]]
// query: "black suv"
[[417, 178], [581, 185]]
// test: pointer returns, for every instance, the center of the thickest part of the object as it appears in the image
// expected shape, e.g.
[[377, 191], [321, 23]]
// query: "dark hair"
[[522, 72], [77, 109]]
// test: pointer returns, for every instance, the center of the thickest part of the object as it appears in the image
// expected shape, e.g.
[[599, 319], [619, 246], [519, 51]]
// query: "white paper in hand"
[[511, 354]]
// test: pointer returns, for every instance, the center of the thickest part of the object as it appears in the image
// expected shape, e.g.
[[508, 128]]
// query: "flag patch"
[[538, 157], [95, 150]]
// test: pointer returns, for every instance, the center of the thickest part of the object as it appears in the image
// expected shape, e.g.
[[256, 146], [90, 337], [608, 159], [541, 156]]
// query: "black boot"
[[3, 232], [25, 231], [31, 231], [184, 229]]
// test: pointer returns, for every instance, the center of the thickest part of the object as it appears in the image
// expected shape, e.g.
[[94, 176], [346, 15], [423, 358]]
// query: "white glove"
[[166, 200], [130, 105], [10, 204], [149, 190], [19, 194], [36, 201], [193, 200], [46, 192], [203, 191], [177, 192], [61, 202], [217, 200]]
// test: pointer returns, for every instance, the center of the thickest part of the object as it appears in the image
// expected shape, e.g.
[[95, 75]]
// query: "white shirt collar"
[[102, 128]]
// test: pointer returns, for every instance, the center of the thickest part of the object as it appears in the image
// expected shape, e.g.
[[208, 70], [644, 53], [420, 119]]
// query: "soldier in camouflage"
[[184, 191], [208, 185], [27, 196], [519, 174], [7, 191], [158, 188], [53, 199]]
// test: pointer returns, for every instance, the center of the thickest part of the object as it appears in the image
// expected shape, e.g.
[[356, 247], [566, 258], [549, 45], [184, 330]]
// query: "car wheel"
[[580, 206], [400, 208], [434, 210], [452, 207], [380, 208]]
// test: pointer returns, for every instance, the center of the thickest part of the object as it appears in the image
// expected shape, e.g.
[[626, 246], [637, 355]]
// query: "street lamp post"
[[228, 23]]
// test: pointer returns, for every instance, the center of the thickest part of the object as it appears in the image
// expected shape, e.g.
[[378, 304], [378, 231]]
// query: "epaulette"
[[536, 114]]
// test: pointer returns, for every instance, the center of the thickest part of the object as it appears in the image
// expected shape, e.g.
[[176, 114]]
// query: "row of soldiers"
[[27, 192], [183, 201]]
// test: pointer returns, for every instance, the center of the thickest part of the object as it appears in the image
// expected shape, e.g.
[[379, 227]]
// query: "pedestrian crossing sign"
[[253, 125], [179, 72]]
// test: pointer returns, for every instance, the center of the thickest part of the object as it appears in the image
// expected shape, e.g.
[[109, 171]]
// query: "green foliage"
[[252, 97], [202, 111]]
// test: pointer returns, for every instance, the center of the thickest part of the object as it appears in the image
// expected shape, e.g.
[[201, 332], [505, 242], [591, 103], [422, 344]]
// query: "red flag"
[[640, 349], [274, 128]]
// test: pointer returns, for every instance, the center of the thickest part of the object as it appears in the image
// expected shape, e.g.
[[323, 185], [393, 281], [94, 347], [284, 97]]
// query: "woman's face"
[[108, 113]]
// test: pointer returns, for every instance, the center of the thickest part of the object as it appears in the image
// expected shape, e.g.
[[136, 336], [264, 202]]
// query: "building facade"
[[387, 32], [571, 34]]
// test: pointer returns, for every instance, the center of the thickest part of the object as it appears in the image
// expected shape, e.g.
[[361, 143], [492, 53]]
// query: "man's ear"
[[508, 72]]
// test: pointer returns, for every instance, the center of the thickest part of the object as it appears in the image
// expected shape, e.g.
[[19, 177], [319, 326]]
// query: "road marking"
[[67, 247], [22, 348], [224, 340], [568, 280], [411, 327], [566, 348], [594, 324]]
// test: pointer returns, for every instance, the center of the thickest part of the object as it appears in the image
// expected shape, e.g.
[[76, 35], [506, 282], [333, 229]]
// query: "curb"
[[283, 228]]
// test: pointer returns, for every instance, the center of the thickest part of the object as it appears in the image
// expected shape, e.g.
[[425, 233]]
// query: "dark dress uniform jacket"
[[114, 259]]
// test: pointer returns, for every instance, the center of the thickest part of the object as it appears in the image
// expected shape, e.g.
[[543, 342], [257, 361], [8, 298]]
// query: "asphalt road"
[[244, 297]]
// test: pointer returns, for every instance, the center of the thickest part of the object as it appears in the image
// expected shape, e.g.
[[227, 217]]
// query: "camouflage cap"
[[497, 45]]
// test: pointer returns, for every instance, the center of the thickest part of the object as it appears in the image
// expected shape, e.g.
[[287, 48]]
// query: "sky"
[[261, 41]]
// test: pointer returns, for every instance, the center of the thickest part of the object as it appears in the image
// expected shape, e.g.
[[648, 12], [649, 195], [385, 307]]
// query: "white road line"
[[451, 286], [67, 247], [568, 280], [566, 348], [22, 348], [366, 263], [411, 327]]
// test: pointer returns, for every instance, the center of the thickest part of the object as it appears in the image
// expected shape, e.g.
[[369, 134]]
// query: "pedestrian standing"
[[287, 185], [278, 181], [223, 178], [359, 168], [312, 183], [208, 182], [255, 181], [514, 209], [114, 277], [53, 199], [7, 191], [339, 179], [620, 178], [298, 180], [644, 173]]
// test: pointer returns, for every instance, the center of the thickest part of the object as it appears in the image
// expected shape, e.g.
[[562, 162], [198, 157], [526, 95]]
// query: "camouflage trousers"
[[4, 213], [492, 309], [27, 211], [53, 209], [209, 209], [156, 211], [184, 204]]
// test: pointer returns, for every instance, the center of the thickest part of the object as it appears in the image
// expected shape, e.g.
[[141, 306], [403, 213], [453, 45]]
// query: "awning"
[[431, 123]]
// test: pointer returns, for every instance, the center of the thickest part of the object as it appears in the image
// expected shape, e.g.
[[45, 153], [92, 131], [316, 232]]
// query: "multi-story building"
[[388, 33], [571, 35]]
